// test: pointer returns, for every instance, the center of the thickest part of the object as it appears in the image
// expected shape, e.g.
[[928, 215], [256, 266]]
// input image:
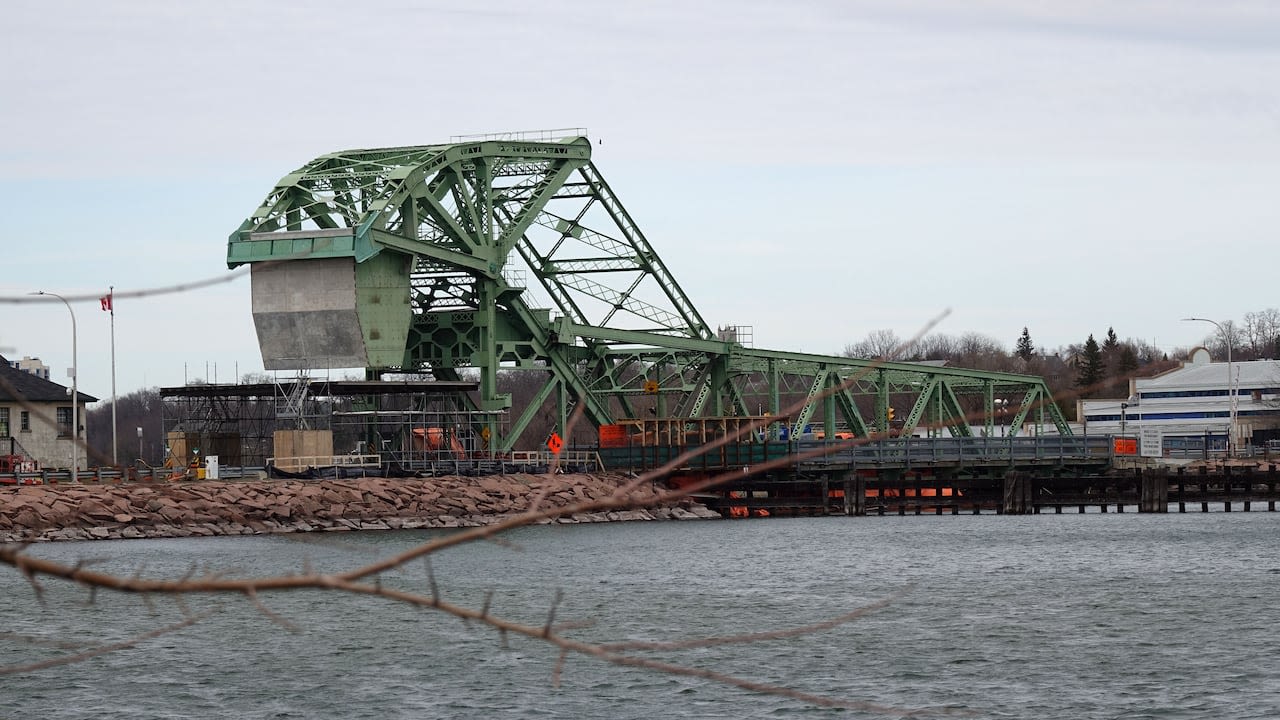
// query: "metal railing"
[[903, 452], [908, 450], [573, 458], [117, 475], [315, 461], [541, 135]]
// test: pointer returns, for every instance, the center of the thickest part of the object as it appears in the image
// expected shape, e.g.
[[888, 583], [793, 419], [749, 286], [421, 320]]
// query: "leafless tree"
[[882, 343], [1261, 332], [938, 346]]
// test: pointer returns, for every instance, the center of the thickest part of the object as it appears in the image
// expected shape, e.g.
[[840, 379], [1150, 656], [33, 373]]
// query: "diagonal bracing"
[[408, 257]]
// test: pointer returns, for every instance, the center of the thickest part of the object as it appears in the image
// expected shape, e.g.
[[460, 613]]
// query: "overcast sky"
[[817, 170]]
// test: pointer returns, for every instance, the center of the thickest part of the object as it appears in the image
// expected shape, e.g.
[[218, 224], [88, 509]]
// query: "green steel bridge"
[[432, 259]]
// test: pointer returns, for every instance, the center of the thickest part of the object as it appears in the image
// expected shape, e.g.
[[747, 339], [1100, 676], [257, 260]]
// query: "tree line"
[[1085, 369], [1088, 369]]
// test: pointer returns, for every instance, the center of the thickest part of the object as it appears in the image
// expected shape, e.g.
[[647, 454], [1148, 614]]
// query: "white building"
[[35, 419], [1194, 401]]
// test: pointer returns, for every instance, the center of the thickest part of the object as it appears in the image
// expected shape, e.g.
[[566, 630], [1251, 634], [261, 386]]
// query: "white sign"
[[211, 467], [1151, 442]]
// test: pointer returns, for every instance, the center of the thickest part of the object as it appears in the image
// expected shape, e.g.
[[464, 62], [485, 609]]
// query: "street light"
[[75, 394], [1231, 412], [1123, 406], [998, 405]]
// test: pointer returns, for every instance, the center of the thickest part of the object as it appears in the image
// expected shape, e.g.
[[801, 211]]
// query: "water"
[[1070, 616]]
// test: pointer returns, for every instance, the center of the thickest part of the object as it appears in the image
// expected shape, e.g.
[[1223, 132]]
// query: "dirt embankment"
[[145, 510]]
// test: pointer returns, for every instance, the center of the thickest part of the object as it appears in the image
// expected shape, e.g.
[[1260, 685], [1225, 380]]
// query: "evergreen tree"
[[1110, 371], [1109, 347], [1025, 348], [1128, 361], [1090, 370], [1126, 366]]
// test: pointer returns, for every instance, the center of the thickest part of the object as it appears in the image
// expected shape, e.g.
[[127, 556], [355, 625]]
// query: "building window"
[[4, 422], [25, 419], [64, 422]]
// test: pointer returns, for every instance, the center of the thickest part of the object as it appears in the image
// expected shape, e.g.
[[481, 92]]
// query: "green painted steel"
[[382, 304], [506, 254]]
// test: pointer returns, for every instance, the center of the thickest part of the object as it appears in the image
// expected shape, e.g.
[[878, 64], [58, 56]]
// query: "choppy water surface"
[[1071, 616]]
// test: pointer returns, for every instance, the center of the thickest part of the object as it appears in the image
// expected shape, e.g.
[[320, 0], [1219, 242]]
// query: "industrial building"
[[1198, 402]]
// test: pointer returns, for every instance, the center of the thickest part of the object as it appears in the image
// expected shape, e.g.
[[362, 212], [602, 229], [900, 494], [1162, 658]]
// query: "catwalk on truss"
[[414, 260]]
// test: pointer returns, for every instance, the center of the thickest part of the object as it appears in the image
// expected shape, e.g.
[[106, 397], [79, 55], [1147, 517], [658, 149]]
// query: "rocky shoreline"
[[184, 509]]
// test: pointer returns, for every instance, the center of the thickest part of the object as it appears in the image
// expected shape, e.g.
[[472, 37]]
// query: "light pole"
[[999, 404], [1123, 406], [1231, 412], [75, 394]]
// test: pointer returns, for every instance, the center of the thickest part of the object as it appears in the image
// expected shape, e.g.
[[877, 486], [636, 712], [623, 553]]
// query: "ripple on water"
[[1072, 616]]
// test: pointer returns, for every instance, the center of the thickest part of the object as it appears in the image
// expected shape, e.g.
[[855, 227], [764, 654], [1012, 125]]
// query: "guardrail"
[[578, 460], [909, 450], [303, 462], [575, 458], [903, 452], [119, 475]]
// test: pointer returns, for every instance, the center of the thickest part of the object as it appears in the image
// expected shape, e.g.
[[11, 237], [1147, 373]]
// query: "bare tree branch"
[[102, 649], [636, 493]]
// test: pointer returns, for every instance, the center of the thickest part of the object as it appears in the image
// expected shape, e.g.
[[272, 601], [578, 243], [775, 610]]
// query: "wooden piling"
[[855, 495], [1153, 491], [1017, 496]]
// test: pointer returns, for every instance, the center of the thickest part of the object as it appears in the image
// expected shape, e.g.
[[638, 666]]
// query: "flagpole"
[[111, 305]]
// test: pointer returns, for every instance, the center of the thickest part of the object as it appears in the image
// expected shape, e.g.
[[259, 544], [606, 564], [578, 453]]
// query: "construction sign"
[[554, 443]]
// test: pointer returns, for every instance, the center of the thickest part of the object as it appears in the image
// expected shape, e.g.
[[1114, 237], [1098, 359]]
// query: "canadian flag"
[[106, 302]]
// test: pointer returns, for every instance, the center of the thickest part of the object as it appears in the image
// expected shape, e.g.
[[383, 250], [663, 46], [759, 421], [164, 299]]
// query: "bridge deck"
[[951, 454]]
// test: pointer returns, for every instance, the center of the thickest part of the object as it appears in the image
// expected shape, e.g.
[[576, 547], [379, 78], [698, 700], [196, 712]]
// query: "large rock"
[[204, 508]]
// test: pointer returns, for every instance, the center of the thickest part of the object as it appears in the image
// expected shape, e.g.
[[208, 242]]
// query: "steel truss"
[[605, 321]]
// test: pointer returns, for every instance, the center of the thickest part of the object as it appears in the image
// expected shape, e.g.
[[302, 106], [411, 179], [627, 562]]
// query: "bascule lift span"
[[415, 260]]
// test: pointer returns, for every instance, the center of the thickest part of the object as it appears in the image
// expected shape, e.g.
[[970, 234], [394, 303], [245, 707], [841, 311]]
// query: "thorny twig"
[[46, 642], [350, 582], [760, 636], [270, 614], [103, 649], [628, 496]]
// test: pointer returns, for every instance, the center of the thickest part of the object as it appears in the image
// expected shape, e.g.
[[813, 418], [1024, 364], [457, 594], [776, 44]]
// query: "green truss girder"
[[939, 398], [921, 405], [478, 217]]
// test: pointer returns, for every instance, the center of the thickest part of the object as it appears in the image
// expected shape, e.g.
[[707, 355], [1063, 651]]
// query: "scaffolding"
[[410, 423]]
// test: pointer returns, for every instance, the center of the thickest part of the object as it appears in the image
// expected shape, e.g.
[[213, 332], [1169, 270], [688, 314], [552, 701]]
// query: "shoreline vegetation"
[[35, 513]]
